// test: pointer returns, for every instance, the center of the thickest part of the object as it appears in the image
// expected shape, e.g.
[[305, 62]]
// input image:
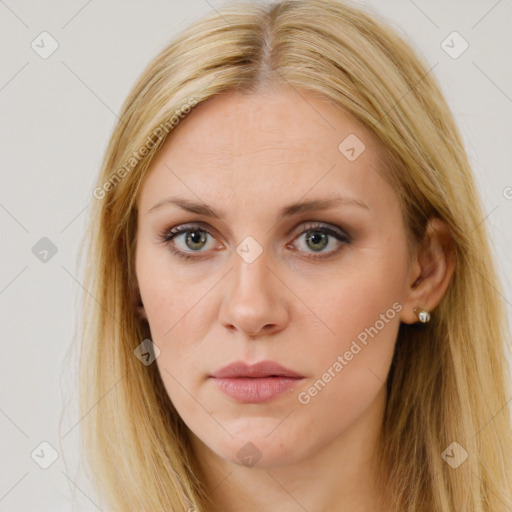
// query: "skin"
[[249, 156]]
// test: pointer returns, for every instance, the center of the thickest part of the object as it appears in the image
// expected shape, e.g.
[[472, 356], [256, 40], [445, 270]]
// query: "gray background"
[[57, 114]]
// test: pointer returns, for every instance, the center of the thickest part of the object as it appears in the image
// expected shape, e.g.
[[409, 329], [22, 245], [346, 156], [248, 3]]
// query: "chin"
[[257, 448]]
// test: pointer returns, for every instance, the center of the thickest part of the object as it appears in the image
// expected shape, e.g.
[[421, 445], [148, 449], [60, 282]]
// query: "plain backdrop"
[[57, 113]]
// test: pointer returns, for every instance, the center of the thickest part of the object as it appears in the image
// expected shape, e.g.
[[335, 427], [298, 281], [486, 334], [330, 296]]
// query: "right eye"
[[192, 239]]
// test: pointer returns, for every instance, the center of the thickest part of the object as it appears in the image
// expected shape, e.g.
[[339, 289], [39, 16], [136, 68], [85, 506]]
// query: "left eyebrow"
[[287, 211]]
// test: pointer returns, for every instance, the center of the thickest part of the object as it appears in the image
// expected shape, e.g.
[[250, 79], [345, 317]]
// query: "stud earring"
[[422, 314]]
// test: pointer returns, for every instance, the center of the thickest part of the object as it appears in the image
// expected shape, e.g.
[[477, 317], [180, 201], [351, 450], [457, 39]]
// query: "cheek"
[[351, 372], [166, 289], [178, 323], [369, 286], [364, 321], [362, 308], [172, 302]]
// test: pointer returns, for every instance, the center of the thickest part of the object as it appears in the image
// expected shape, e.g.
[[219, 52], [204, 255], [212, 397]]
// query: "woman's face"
[[317, 289]]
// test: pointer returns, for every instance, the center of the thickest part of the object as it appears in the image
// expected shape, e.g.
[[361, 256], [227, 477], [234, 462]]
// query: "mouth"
[[257, 383]]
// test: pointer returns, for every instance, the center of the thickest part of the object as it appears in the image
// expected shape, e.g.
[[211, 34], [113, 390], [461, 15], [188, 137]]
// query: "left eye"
[[317, 238]]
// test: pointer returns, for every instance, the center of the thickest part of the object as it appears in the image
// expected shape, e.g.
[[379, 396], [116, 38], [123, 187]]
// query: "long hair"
[[448, 383]]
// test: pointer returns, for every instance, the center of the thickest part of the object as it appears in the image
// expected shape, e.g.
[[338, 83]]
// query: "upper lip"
[[260, 369]]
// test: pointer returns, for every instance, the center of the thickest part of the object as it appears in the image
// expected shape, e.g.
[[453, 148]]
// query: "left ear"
[[431, 270]]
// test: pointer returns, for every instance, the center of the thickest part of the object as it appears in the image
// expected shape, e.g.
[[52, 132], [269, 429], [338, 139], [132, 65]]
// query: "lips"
[[257, 383], [258, 370]]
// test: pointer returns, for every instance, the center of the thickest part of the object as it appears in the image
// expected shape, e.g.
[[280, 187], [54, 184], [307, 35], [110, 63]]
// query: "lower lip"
[[255, 390]]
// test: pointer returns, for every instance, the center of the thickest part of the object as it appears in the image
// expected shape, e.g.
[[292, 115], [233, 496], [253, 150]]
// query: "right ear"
[[141, 312], [137, 304]]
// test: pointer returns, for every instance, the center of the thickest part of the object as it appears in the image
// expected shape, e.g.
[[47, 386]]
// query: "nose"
[[254, 300]]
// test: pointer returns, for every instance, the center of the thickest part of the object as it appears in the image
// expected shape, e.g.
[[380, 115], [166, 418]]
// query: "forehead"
[[258, 145]]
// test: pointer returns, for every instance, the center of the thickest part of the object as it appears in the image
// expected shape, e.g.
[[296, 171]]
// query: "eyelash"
[[169, 234]]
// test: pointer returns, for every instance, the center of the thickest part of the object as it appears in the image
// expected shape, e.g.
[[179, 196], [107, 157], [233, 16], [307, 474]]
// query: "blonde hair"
[[448, 383]]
